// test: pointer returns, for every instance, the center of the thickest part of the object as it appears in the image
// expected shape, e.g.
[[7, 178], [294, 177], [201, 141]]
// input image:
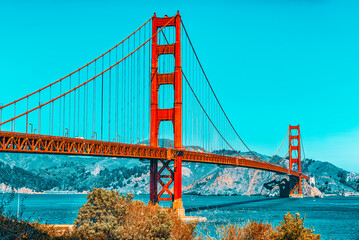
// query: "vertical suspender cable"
[[138, 90], [78, 106], [64, 117], [144, 89], [69, 112], [27, 115], [85, 105], [116, 104], [39, 123], [123, 98], [102, 99], [50, 110], [14, 119], [109, 100], [74, 128], [60, 107], [94, 106], [1, 116]]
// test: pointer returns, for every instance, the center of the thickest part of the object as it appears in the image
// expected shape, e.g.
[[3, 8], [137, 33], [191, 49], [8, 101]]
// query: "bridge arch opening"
[[294, 132], [294, 142], [166, 63], [167, 36], [165, 134], [166, 96]]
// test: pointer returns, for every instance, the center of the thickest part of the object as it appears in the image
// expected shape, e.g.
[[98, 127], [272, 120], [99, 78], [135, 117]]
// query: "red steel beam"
[[42, 144]]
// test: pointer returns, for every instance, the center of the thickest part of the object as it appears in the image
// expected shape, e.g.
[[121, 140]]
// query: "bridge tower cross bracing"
[[173, 115], [295, 158]]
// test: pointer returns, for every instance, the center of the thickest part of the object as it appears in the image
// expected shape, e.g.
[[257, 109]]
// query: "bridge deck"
[[42, 144]]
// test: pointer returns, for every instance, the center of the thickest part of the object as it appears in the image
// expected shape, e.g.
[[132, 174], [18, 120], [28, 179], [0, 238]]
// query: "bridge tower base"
[[295, 158], [295, 187]]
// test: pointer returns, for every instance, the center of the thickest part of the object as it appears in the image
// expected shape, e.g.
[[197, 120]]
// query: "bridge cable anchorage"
[[84, 83], [1, 107], [208, 115]]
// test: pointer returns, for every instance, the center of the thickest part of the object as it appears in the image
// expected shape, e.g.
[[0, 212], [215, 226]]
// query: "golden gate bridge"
[[126, 102]]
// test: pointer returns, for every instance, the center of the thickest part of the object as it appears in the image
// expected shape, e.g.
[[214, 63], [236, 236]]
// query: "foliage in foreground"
[[108, 215], [291, 228], [13, 229]]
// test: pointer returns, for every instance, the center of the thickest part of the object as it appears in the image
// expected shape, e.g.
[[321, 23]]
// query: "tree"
[[103, 215], [107, 215]]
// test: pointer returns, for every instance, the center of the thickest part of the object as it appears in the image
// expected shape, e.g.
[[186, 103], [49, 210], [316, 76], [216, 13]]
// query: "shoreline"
[[86, 192]]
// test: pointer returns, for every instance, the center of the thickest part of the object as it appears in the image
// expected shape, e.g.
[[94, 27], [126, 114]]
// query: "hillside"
[[40, 173]]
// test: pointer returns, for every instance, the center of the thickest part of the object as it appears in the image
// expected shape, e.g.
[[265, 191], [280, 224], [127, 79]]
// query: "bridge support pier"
[[177, 203], [295, 186], [153, 180], [172, 176]]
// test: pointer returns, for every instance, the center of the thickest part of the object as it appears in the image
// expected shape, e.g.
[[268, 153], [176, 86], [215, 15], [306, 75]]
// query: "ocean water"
[[332, 217]]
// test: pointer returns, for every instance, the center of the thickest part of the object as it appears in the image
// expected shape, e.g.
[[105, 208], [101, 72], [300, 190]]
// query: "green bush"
[[108, 215]]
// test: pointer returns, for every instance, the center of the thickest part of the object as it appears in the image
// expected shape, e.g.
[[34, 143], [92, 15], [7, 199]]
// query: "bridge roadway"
[[42, 144]]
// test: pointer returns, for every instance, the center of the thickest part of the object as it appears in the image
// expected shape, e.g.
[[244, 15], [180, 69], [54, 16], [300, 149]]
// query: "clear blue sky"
[[271, 62]]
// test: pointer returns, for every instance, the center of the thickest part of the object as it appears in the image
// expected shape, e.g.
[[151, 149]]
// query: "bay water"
[[332, 217]]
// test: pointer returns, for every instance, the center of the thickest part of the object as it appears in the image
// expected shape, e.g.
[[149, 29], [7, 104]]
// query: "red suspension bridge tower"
[[173, 115], [295, 158]]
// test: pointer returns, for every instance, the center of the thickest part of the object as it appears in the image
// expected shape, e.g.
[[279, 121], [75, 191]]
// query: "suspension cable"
[[208, 115], [195, 53], [54, 99], [1, 107], [301, 143], [280, 146], [221, 105], [281, 158]]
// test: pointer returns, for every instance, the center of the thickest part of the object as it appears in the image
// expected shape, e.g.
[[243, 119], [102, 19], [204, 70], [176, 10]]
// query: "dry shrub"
[[250, 231], [292, 228], [108, 215], [13, 229], [56, 232], [256, 230]]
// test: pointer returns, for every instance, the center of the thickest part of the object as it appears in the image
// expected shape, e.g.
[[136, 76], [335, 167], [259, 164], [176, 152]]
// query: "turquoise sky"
[[271, 62]]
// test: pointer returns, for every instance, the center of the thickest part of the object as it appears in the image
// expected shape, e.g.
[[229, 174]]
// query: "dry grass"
[[291, 228]]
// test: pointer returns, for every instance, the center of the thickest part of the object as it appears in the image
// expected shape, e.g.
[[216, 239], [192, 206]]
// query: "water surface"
[[332, 217]]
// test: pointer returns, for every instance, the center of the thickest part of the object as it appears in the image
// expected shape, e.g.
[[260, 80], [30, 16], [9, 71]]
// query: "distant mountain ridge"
[[43, 173]]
